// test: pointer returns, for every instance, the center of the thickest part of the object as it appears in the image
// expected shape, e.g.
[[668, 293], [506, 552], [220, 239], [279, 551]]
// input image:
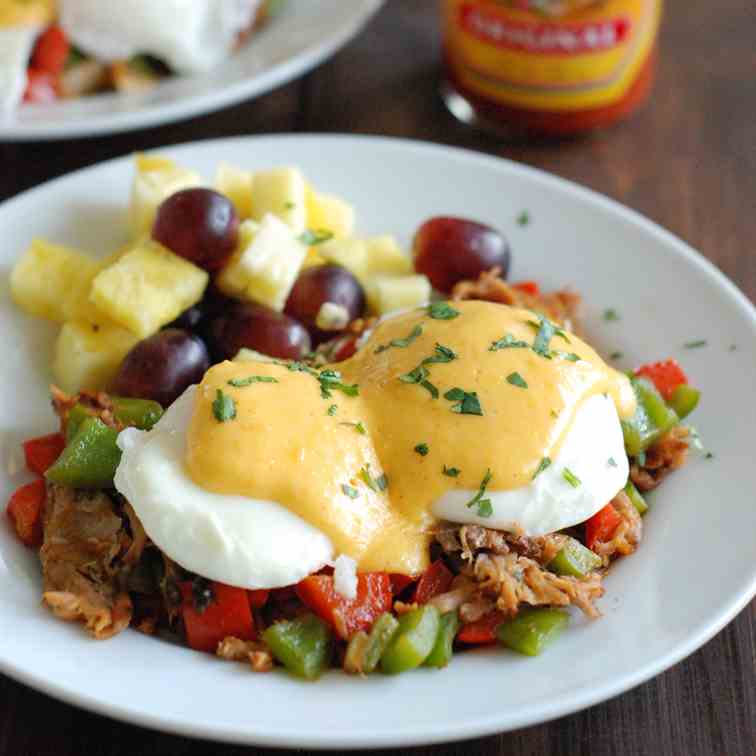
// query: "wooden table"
[[688, 162]]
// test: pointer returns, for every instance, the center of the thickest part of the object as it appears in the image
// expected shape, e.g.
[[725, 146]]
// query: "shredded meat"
[[138, 536], [83, 537], [559, 306], [97, 404], [254, 652], [669, 453], [628, 534]]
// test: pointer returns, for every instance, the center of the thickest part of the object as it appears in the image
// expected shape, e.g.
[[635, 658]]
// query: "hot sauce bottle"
[[550, 67]]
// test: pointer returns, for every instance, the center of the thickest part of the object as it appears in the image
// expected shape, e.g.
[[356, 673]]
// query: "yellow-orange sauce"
[[283, 445]]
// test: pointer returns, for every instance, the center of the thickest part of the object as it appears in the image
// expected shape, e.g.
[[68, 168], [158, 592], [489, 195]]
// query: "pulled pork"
[[98, 404], [83, 539], [628, 534], [254, 652], [559, 306], [669, 453]]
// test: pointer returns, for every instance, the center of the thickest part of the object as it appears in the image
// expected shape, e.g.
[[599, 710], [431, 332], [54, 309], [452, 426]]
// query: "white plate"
[[301, 36], [695, 569]]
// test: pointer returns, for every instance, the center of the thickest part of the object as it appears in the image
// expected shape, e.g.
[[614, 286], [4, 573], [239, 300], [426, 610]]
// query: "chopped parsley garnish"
[[442, 354], [544, 464], [312, 237], [249, 380], [466, 402], [642, 459], [571, 478], [401, 343], [422, 449], [523, 219], [708, 455], [515, 379], [611, 314], [442, 311], [616, 356], [358, 426], [612, 462], [546, 332], [289, 205], [695, 344], [451, 472], [553, 413], [569, 356], [332, 410], [382, 482], [330, 380], [508, 342], [224, 407], [420, 376], [352, 493], [484, 506], [379, 484], [733, 348]]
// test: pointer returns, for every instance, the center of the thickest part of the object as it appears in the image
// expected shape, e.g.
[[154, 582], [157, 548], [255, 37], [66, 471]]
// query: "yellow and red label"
[[587, 58]]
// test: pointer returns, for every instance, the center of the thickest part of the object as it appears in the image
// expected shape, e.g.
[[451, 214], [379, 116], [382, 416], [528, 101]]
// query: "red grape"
[[162, 366], [318, 285], [200, 225], [449, 250], [254, 326]]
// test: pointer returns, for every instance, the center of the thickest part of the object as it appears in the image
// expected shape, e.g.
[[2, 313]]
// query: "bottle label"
[[515, 56]]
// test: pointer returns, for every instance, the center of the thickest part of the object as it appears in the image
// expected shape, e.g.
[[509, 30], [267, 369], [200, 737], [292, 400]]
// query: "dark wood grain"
[[688, 161]]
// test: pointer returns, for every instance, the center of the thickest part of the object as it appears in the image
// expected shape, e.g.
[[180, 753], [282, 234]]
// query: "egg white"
[[15, 48], [189, 35], [249, 543], [593, 450]]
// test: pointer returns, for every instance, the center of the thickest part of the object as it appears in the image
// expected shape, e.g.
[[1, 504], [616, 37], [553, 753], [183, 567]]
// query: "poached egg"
[[268, 471]]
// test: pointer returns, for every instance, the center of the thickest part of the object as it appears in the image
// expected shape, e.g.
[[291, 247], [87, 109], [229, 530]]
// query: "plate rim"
[[488, 724], [200, 104]]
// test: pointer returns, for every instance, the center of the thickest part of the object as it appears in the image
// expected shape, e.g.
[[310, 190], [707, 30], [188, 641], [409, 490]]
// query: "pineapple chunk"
[[329, 213], [50, 280], [266, 263], [386, 256], [351, 254], [147, 287], [281, 192], [236, 184], [388, 293], [87, 356], [156, 179]]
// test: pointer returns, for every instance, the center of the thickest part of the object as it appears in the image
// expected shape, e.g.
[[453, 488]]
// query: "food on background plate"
[[52, 50], [452, 466]]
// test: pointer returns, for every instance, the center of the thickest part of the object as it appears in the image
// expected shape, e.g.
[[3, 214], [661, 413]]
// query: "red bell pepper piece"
[[481, 631], [41, 453], [400, 582], [258, 598], [528, 287], [51, 51], [347, 616], [25, 512], [41, 87], [602, 525], [228, 614], [436, 579], [666, 376]]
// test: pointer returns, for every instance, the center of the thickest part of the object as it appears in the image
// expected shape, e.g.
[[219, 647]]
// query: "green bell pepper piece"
[[532, 629], [684, 400], [90, 459], [574, 559], [137, 413], [76, 416], [413, 642], [653, 417], [302, 645], [364, 651], [636, 497], [442, 651]]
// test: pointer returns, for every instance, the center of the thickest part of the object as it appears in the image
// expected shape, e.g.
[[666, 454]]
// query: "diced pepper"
[[652, 418], [481, 631], [25, 512], [40, 453], [346, 347], [51, 51], [636, 498], [302, 645], [684, 400], [228, 614], [435, 580], [137, 413], [75, 417], [533, 629], [400, 582], [258, 598], [347, 616], [364, 651], [443, 648], [90, 459], [528, 287], [666, 376], [602, 525], [574, 560], [41, 87], [413, 642]]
